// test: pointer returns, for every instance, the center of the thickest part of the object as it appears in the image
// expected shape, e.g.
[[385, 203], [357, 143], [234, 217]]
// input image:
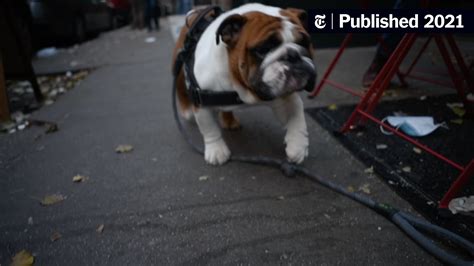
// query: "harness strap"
[[185, 60]]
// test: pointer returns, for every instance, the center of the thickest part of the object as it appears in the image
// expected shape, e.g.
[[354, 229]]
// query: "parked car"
[[71, 18]]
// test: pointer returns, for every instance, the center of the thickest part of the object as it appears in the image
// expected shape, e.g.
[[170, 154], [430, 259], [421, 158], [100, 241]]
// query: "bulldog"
[[265, 55]]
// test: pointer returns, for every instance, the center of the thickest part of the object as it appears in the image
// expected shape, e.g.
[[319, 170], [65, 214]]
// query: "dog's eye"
[[304, 41], [261, 50]]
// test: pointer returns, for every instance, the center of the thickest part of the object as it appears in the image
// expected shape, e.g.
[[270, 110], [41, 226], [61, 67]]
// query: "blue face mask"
[[415, 126]]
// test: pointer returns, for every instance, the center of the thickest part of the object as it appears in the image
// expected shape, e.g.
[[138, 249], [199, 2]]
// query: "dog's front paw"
[[297, 151], [217, 152]]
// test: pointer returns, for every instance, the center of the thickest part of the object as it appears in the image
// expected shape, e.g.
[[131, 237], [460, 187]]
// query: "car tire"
[[79, 30]]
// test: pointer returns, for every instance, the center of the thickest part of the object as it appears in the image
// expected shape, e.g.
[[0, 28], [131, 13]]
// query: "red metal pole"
[[343, 46], [390, 73], [453, 73], [457, 185], [412, 141], [460, 61]]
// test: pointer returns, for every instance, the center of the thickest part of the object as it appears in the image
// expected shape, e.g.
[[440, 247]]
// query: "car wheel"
[[79, 30]]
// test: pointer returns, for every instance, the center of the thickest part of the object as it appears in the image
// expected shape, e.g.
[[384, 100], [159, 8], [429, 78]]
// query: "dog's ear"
[[229, 30], [300, 14]]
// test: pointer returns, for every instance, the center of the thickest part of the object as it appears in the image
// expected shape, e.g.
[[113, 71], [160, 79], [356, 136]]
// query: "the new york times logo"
[[392, 20], [320, 21]]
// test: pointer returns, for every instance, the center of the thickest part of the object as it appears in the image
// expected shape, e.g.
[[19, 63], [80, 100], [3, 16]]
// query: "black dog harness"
[[185, 59]]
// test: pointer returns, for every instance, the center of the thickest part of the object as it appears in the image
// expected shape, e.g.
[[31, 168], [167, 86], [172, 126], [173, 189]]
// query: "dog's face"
[[269, 55]]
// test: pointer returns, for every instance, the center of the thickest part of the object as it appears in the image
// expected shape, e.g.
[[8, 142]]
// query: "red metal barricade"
[[369, 100]]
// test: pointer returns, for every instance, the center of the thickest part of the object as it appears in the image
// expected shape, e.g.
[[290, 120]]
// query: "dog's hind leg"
[[229, 121]]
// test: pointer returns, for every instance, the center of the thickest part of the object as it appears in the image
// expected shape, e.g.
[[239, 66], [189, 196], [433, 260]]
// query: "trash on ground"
[[30, 220], [47, 52], [415, 126], [350, 189], [417, 150], [52, 199], [463, 204], [281, 197], [332, 107], [124, 148], [424, 97], [23, 258]]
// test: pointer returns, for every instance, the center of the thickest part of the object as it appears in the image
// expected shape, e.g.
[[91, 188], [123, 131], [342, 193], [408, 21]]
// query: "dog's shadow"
[[261, 133]]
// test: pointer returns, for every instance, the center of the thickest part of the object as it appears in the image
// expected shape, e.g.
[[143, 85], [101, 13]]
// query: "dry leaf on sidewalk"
[[23, 258], [100, 228], [52, 199], [124, 148], [369, 170], [203, 178], [79, 178], [365, 188], [55, 236]]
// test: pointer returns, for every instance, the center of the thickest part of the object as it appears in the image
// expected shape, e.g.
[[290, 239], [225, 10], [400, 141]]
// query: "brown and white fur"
[[264, 54]]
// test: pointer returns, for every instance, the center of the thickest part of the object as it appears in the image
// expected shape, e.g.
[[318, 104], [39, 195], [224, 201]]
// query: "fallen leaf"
[[124, 148], [79, 178], [406, 169], [23, 258], [381, 146], [458, 121], [100, 229], [369, 170], [332, 107], [55, 236], [457, 108], [52, 199], [203, 178], [30, 220], [350, 189], [417, 150], [365, 188]]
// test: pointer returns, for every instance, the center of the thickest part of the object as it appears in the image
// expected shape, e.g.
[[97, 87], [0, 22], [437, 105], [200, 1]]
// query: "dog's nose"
[[292, 56]]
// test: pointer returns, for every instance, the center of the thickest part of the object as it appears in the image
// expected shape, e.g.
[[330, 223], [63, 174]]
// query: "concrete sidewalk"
[[154, 206]]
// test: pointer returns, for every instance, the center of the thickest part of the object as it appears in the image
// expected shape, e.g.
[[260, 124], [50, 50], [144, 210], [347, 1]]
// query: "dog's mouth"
[[288, 78]]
